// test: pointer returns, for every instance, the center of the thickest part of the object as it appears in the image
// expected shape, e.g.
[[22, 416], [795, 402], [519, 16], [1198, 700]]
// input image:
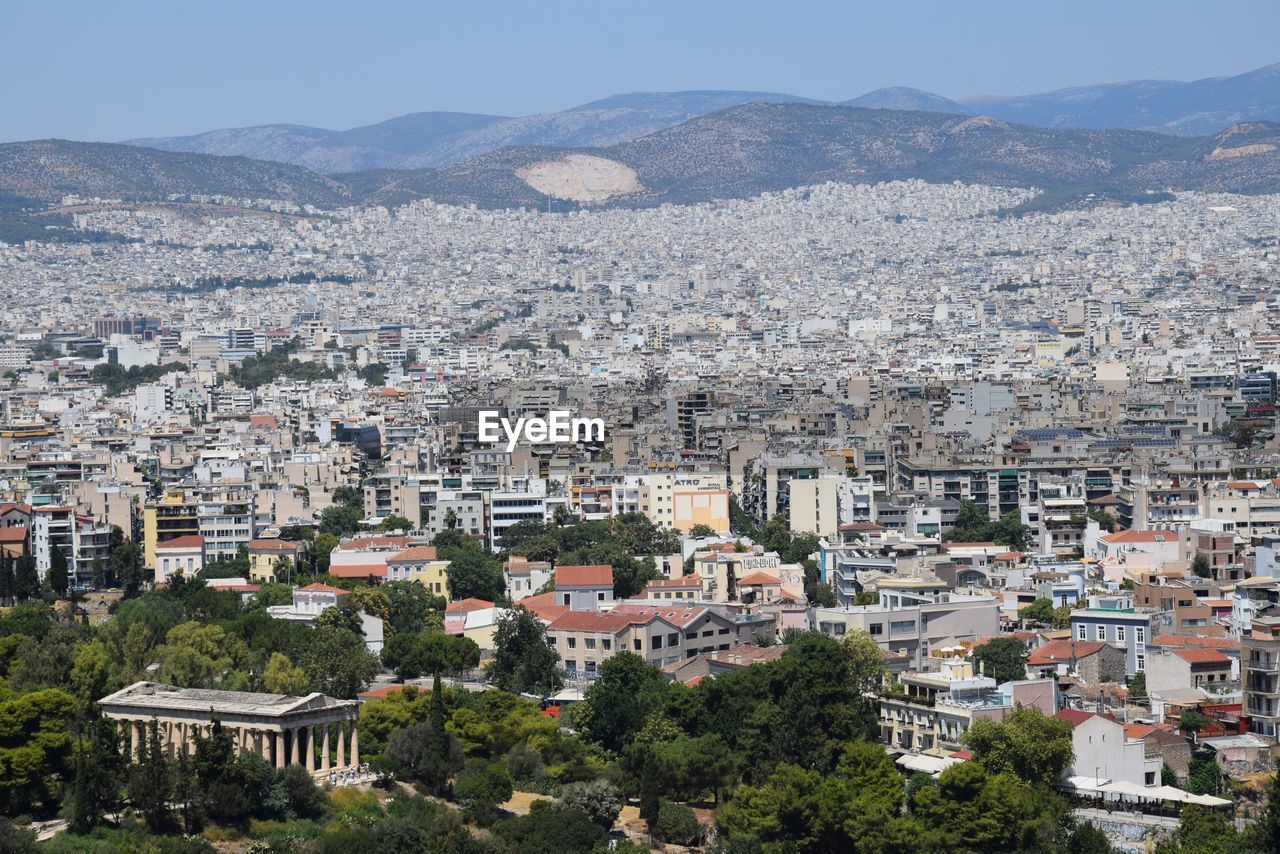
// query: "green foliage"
[[99, 776], [414, 753], [34, 748], [282, 676], [395, 523], [1027, 745], [480, 787], [116, 380], [1040, 611], [473, 570], [676, 824], [599, 799], [615, 541], [337, 662], [1202, 830], [1190, 722], [1200, 566], [548, 830], [1002, 659], [617, 703], [198, 655], [522, 660], [429, 652], [1138, 688], [973, 526], [1204, 777], [57, 574], [701, 532], [152, 781], [1104, 519], [276, 364]]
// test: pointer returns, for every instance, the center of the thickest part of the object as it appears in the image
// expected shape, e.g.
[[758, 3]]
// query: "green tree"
[[701, 532], [282, 676], [26, 579], [1002, 659], [1191, 722], [99, 775], [1202, 830], [480, 787], [34, 748], [617, 703], [57, 575], [151, 781], [547, 830], [395, 523], [1204, 777], [473, 572], [599, 799], [1028, 744], [1264, 834], [344, 616], [1040, 611], [8, 581], [1138, 688], [676, 824], [337, 663], [196, 655], [126, 567], [523, 663], [1200, 566]]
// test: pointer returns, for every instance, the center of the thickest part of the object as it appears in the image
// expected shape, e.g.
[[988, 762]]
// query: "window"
[[607, 643], [875, 629], [637, 645], [673, 639], [709, 633], [1119, 634], [655, 642], [573, 643], [564, 599], [723, 632], [1141, 664], [600, 597], [1101, 633], [1081, 631], [1139, 635], [591, 643]]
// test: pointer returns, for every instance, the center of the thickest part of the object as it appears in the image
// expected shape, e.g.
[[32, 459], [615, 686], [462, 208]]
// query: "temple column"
[[277, 740], [133, 740], [355, 742], [260, 744], [311, 748], [295, 757], [324, 748], [166, 737], [342, 744]]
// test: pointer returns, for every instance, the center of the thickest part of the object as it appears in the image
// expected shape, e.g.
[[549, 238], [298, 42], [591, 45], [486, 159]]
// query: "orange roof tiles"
[[190, 541], [598, 575], [465, 606], [414, 554], [1202, 656], [1058, 651], [1075, 717]]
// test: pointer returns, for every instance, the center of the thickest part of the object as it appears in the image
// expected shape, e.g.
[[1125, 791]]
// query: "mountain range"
[[432, 139], [733, 153]]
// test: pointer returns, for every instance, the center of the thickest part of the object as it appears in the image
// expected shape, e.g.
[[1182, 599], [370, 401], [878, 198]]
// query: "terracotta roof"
[[679, 583], [464, 606], [590, 621], [1104, 500], [267, 421], [273, 545], [758, 577], [13, 535], [543, 606], [359, 570], [1059, 651], [414, 554], [1075, 717], [1141, 537], [598, 575], [317, 587], [1137, 732], [1195, 641], [862, 526], [675, 613], [10, 507], [374, 542], [1202, 656], [744, 655], [190, 541]]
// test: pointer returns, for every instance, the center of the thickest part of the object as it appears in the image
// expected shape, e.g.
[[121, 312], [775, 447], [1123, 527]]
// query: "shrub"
[[676, 824]]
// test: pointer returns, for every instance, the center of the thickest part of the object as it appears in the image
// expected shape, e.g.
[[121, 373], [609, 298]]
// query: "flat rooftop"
[[154, 697]]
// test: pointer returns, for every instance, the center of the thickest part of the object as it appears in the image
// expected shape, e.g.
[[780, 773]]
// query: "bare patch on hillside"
[[581, 178]]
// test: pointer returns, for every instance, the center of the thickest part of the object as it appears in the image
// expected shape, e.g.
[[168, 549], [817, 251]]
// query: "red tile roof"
[[598, 575], [675, 613], [375, 542], [316, 586], [13, 535], [1140, 537], [190, 541], [543, 606], [1195, 641], [1202, 656], [359, 570], [1059, 651], [590, 621], [273, 544], [414, 554], [758, 577], [674, 583], [466, 606], [1075, 717]]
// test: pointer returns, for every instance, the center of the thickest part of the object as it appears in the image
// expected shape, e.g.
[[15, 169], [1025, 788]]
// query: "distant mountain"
[[404, 142], [439, 139], [1189, 109], [757, 148], [734, 153], [906, 98], [47, 169]]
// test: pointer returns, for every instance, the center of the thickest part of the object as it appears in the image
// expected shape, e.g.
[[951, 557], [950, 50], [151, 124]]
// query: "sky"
[[119, 70]]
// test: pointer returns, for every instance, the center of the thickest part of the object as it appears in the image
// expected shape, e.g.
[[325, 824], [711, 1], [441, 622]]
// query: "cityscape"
[[710, 470]]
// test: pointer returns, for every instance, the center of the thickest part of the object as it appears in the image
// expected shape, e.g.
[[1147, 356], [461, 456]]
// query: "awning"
[[927, 764]]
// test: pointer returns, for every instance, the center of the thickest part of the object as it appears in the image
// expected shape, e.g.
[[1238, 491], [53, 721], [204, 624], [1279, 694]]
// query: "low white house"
[[310, 602], [183, 555]]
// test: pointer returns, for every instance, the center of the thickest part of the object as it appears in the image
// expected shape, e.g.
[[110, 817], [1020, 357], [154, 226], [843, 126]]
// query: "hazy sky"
[[113, 70]]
